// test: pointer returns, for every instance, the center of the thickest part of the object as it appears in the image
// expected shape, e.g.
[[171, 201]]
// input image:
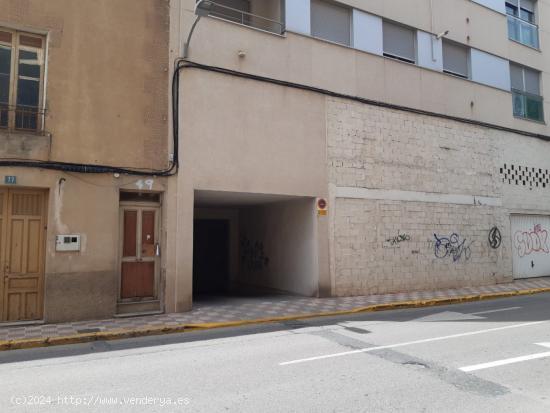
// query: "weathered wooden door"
[[22, 232], [140, 253]]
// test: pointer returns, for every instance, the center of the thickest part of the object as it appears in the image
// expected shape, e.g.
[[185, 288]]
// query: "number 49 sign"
[[10, 180]]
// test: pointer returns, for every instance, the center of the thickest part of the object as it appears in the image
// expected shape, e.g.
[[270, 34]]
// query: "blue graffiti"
[[452, 247]]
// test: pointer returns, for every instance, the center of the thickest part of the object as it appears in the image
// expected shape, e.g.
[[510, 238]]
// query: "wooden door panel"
[[148, 233], [13, 307], [22, 306], [26, 203], [129, 234], [139, 263], [23, 269], [137, 279], [3, 230], [33, 246], [15, 245]]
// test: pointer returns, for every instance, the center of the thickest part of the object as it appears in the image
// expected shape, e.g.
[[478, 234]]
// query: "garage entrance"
[[530, 245], [254, 244]]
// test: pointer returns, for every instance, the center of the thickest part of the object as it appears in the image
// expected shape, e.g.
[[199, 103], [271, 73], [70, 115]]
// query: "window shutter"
[[455, 59], [331, 22], [399, 41]]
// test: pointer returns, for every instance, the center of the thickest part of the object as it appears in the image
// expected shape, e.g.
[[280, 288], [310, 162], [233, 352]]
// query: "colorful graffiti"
[[452, 246], [528, 242]]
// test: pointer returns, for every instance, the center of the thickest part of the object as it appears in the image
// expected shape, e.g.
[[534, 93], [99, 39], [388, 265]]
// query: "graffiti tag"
[[495, 238], [528, 242], [452, 246], [398, 239], [253, 257]]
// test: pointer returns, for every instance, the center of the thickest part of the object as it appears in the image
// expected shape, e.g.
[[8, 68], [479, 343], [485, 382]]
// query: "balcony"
[[21, 118], [523, 32], [528, 106], [264, 15]]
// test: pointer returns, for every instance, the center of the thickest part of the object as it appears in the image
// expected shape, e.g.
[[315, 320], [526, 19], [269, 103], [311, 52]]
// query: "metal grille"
[[26, 204]]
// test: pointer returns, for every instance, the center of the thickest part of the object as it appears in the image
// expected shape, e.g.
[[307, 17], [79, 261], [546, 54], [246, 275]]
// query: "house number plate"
[[10, 180]]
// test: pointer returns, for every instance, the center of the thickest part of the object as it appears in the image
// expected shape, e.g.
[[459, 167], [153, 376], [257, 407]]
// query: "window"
[[525, 82], [399, 42], [21, 80], [330, 21], [521, 22], [455, 59]]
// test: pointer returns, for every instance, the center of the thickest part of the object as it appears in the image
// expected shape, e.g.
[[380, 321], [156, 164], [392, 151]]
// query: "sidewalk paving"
[[233, 309]]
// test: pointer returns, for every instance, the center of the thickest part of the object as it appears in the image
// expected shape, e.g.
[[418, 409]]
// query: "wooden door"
[[22, 229], [140, 253]]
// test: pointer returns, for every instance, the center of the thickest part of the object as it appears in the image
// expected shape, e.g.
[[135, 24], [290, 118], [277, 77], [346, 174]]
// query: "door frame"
[[140, 206], [7, 191]]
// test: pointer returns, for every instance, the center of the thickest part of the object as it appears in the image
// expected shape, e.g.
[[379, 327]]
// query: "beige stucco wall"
[[286, 257], [245, 137], [310, 61], [107, 77], [232, 124], [107, 103]]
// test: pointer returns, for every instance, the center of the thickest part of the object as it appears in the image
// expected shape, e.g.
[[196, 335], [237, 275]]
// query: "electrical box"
[[69, 242]]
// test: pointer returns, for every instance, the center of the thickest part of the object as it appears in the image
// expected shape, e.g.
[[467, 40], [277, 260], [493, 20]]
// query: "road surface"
[[490, 356]]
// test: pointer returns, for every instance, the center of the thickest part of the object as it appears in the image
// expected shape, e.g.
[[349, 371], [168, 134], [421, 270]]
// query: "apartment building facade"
[[84, 140], [357, 147], [324, 149]]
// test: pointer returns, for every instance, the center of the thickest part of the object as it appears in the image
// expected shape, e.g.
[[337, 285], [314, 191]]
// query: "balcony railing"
[[21, 118], [523, 31], [528, 106], [245, 18]]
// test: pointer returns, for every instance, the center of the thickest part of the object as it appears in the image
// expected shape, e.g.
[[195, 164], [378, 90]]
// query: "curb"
[[19, 344]]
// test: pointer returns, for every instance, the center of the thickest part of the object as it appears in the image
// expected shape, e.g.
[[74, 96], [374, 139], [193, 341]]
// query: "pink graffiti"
[[527, 242]]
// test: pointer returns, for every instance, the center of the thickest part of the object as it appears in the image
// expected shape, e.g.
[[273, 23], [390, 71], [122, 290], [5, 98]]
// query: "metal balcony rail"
[[22, 118], [527, 105], [522, 31], [245, 18]]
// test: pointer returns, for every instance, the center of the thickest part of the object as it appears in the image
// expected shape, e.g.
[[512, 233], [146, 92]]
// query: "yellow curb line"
[[19, 344]]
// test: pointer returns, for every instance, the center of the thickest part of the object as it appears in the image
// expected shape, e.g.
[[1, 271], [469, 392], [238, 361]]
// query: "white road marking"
[[409, 343], [505, 362], [496, 311]]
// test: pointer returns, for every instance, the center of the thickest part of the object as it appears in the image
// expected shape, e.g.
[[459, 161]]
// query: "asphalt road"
[[491, 356]]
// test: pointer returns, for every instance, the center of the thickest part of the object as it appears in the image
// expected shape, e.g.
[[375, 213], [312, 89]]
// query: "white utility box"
[[69, 242]]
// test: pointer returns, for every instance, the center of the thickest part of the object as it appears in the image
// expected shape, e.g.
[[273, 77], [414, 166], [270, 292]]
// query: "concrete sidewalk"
[[226, 311]]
